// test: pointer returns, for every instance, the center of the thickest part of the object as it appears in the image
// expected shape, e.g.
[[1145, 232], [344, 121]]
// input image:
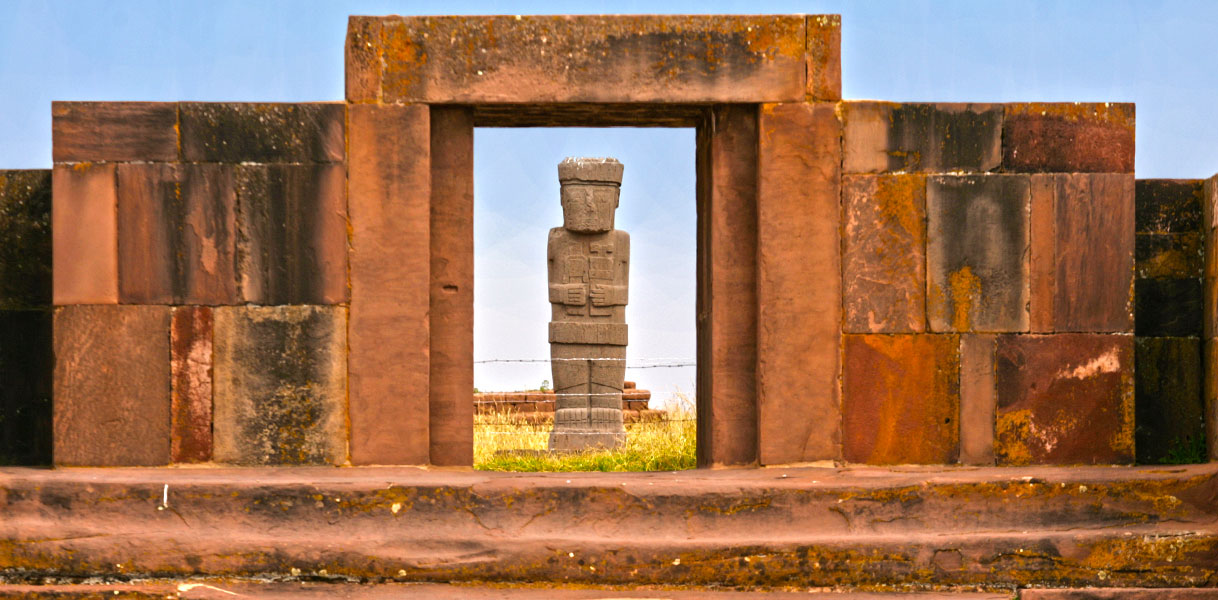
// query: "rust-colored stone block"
[[928, 138], [25, 228], [191, 368], [112, 386], [292, 234], [1068, 137], [262, 132], [451, 415], [1094, 253], [798, 325], [1168, 205], [824, 57], [585, 58], [977, 253], [1169, 404], [84, 234], [884, 265], [114, 131], [977, 402], [280, 385], [1064, 399], [1042, 267], [148, 232], [363, 59], [389, 186], [207, 254], [1169, 255], [1210, 389], [901, 399]]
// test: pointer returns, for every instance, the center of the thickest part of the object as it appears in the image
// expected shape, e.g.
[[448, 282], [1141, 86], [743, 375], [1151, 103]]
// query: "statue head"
[[590, 188]]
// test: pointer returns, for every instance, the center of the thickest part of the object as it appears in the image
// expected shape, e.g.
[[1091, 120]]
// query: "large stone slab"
[[1169, 405], [112, 385], [901, 399], [25, 230], [1068, 137], [280, 385], [1064, 399], [977, 399], [884, 260], [798, 326], [114, 131], [927, 138], [1168, 307], [1210, 389], [389, 183], [1168, 205], [824, 57], [584, 58], [1042, 255], [292, 234], [1094, 254], [1169, 255], [191, 368], [84, 233], [263, 132], [27, 361], [977, 253]]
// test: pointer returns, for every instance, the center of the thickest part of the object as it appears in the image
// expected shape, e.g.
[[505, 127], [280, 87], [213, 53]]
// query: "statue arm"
[[618, 293], [561, 293]]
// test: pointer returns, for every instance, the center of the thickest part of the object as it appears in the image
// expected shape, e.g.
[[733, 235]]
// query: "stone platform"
[[870, 528]]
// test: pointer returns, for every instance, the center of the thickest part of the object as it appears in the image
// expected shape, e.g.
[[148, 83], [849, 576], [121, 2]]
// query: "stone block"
[[389, 186], [1169, 255], [263, 132], [363, 59], [901, 399], [927, 138], [798, 325], [884, 260], [292, 234], [583, 58], [1169, 405], [280, 385], [84, 233], [1068, 137], [112, 385], [1064, 399], [1168, 205], [114, 131], [27, 361], [25, 230], [1042, 267], [824, 57], [1210, 388], [1094, 259], [1168, 307], [977, 253], [977, 402], [191, 369], [207, 254]]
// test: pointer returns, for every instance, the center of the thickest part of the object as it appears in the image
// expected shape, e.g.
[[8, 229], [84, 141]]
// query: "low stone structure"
[[538, 405]]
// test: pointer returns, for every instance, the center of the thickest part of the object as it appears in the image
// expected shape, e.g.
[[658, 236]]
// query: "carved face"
[[588, 208]]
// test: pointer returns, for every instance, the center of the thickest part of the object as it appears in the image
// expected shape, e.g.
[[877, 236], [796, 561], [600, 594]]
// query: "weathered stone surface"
[[727, 302], [928, 138], [262, 132], [977, 403], [148, 232], [1168, 307], [1042, 262], [389, 186], [280, 385], [112, 385], [292, 234], [1169, 255], [1169, 406], [798, 325], [25, 229], [450, 412], [1064, 399], [824, 57], [114, 131], [191, 368], [977, 253], [1068, 137], [26, 365], [362, 57], [901, 399], [585, 58], [84, 234], [1094, 253], [1210, 389], [207, 254], [1168, 205], [884, 265]]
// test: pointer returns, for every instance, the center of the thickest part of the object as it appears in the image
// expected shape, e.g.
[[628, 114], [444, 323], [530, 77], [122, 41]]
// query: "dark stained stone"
[[262, 132], [1168, 400], [1168, 205], [1068, 137], [1168, 307], [884, 263], [977, 253], [928, 138], [25, 238], [114, 131], [1169, 255], [26, 365], [280, 392]]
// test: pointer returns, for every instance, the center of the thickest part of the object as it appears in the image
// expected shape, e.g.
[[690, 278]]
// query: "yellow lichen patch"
[[902, 202], [966, 296], [82, 167], [1011, 432], [1117, 113]]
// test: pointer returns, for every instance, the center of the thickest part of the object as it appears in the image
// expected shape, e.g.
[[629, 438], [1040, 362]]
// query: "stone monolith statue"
[[589, 264]]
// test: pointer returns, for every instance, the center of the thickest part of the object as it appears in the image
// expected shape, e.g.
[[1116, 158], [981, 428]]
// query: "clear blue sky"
[[1160, 55]]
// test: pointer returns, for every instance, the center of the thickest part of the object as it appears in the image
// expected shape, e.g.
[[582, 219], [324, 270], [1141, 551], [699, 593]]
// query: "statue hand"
[[600, 295], [577, 295]]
